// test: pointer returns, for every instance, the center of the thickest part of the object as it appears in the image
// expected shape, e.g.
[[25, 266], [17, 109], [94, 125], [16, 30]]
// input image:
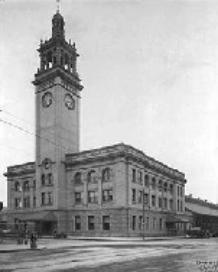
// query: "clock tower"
[[57, 98]]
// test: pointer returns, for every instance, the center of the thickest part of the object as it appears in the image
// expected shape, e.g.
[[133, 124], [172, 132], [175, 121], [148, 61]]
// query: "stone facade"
[[115, 190], [103, 194]]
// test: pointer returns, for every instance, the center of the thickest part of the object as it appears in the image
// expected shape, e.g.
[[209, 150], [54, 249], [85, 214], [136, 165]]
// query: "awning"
[[39, 216], [176, 219]]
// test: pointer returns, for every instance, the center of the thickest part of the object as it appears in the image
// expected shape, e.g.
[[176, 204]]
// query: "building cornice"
[[20, 170], [125, 151]]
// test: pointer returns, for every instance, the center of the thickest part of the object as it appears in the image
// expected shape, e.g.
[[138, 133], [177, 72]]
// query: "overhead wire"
[[28, 123], [31, 133]]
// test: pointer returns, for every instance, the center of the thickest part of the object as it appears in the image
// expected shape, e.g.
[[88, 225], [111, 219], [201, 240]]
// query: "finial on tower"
[[58, 5], [58, 23]]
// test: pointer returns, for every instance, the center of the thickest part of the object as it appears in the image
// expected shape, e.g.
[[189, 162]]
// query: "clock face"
[[46, 99], [69, 102]]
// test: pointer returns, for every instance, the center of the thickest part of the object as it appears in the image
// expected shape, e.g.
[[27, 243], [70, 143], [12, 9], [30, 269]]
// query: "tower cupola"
[[58, 26]]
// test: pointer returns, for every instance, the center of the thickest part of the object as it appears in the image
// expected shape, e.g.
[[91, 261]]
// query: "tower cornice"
[[51, 43], [52, 73]]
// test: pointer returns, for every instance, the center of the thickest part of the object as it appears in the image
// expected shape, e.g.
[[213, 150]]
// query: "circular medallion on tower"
[[46, 99], [69, 102]]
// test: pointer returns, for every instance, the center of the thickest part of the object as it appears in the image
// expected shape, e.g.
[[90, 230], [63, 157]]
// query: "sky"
[[150, 75]]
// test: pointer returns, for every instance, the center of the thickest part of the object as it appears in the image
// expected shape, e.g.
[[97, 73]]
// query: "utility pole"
[[143, 213]]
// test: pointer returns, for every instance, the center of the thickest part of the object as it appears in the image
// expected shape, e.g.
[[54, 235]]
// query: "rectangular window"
[[160, 202], [146, 199], [91, 222], [153, 184], [178, 206], [77, 222], [133, 196], [50, 179], [78, 197], [154, 223], [92, 196], [133, 175], [34, 184], [133, 222], [107, 195], [181, 206], [17, 203], [26, 202], [140, 177], [146, 181], [50, 198], [106, 222], [178, 192], [34, 202], [171, 204], [153, 200], [140, 196], [171, 188], [140, 222], [43, 199], [160, 223], [165, 203], [26, 186], [147, 223], [43, 179]]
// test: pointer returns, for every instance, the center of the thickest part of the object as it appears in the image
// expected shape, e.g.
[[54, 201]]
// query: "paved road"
[[201, 255], [179, 255]]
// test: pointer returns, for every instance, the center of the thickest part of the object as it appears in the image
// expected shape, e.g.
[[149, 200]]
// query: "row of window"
[[107, 195], [25, 204], [180, 191], [137, 223], [46, 200], [46, 180], [92, 176], [180, 205], [163, 202], [137, 177], [91, 222], [25, 187]]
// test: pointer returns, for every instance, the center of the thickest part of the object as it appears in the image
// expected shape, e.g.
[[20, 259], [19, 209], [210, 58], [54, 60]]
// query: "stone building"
[[113, 190], [202, 213]]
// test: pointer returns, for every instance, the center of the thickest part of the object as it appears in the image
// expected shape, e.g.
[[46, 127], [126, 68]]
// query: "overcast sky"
[[150, 75]]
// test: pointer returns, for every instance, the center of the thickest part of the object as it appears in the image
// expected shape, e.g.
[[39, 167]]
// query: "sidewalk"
[[71, 241], [106, 238]]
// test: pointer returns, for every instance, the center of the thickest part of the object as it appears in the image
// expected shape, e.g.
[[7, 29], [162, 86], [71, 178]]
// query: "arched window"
[[43, 179], [146, 181], [171, 188], [50, 179], [106, 175], [34, 184], [153, 183], [165, 186], [160, 184], [78, 178], [26, 185], [17, 186], [91, 177]]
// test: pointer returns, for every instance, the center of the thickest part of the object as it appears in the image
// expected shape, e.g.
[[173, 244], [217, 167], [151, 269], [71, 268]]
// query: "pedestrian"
[[33, 239], [26, 236]]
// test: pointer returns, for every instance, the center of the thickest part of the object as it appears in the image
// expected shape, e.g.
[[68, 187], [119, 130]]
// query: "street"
[[180, 255]]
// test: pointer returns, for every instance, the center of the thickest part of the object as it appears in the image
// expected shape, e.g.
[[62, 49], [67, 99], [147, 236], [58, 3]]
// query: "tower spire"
[[58, 5]]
